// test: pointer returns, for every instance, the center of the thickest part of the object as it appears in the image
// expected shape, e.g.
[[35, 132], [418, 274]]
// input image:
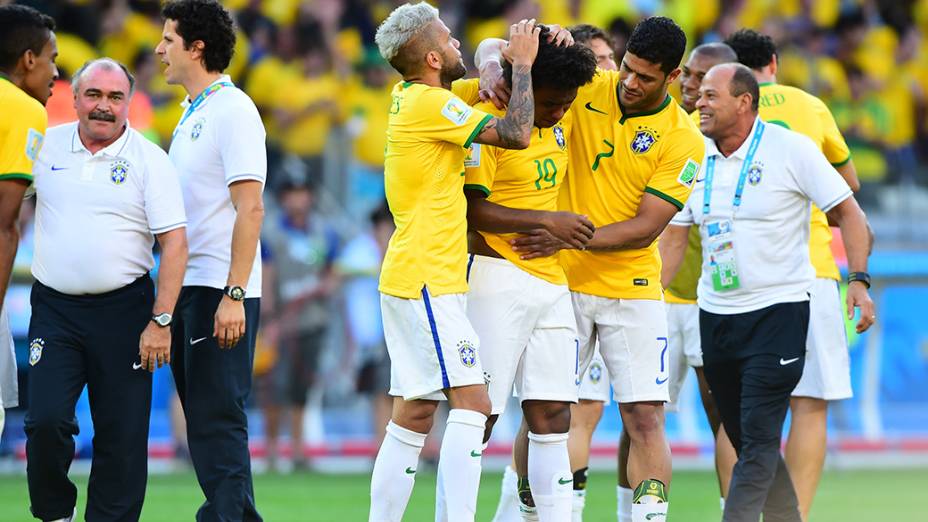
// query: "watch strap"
[[863, 277]]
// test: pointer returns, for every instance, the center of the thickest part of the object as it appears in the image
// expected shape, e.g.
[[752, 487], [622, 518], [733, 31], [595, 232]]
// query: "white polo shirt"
[[97, 214], [770, 229], [221, 141]]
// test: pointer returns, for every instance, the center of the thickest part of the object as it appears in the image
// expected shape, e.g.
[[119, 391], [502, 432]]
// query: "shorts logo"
[[456, 111], [596, 373], [755, 172], [34, 141], [644, 139], [559, 137], [688, 174], [119, 169], [468, 354], [35, 350], [197, 129]]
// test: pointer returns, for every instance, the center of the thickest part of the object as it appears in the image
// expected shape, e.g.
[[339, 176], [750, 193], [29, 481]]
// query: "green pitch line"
[[846, 496]]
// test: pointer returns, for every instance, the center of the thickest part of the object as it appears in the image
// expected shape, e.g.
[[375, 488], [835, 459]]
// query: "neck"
[[626, 111], [18, 80], [95, 145], [432, 79], [736, 136], [199, 81], [763, 76]]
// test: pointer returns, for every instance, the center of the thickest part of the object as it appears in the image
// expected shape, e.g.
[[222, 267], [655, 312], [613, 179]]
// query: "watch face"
[[163, 319], [237, 293]]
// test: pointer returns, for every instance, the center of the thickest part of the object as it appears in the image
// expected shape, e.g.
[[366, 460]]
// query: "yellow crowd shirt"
[[799, 111], [22, 131], [428, 133], [614, 160], [527, 179]]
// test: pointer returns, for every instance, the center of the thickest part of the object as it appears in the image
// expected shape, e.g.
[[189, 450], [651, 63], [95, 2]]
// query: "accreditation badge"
[[722, 264]]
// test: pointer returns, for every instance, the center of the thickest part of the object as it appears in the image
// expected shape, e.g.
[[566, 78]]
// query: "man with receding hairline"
[[752, 197]]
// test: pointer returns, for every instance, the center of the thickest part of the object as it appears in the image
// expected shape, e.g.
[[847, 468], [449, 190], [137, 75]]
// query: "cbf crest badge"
[[468, 353], [596, 372], [35, 350], [197, 129], [119, 170], [559, 137], [644, 139], [755, 172]]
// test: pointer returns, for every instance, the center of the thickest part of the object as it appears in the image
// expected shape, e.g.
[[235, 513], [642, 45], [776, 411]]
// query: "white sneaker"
[[67, 519], [529, 513]]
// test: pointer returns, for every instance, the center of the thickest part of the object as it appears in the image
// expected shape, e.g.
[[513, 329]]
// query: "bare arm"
[[672, 247], [573, 229], [653, 215], [858, 240], [848, 171], [11, 199], [249, 213], [155, 342]]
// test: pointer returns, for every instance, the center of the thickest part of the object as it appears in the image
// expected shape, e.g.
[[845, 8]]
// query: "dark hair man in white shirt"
[[751, 202]]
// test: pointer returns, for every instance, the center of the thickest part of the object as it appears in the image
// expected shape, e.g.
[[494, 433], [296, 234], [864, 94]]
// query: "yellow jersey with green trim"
[[428, 133], [802, 112], [527, 179], [22, 131], [614, 160]]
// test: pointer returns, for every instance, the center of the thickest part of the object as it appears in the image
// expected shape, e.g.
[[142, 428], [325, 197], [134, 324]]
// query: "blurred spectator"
[[299, 251], [359, 268]]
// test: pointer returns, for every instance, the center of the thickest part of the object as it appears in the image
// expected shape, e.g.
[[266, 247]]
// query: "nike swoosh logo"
[[58, 168], [410, 471], [193, 341], [661, 381], [136, 366], [564, 481], [593, 109], [784, 362], [649, 516], [474, 453]]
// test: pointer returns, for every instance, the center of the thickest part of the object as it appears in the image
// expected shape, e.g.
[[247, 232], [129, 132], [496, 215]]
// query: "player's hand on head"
[[537, 243], [572, 229], [229, 322], [858, 296], [493, 87], [523, 43], [559, 35]]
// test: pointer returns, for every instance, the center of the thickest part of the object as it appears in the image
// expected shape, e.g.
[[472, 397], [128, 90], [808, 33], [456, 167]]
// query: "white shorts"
[[594, 382], [685, 349], [431, 344], [9, 387], [632, 336], [527, 330], [827, 373]]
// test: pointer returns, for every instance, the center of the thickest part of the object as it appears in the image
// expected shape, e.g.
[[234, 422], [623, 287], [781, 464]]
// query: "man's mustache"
[[102, 116]]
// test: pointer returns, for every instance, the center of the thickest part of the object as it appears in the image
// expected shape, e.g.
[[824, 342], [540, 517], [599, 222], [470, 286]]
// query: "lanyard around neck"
[[201, 98], [745, 167]]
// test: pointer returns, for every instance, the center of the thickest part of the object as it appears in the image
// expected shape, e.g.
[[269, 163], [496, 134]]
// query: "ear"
[[673, 75], [28, 60], [433, 60], [774, 65], [196, 49]]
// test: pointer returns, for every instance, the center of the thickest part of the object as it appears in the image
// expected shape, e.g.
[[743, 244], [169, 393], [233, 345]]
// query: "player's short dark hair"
[[659, 40], [209, 22], [22, 29], [754, 49], [558, 66], [743, 81], [586, 33]]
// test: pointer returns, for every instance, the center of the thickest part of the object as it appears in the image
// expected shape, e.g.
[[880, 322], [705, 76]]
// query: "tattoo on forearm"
[[521, 114]]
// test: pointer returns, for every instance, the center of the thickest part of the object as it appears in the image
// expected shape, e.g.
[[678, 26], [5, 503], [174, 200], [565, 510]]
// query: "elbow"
[[524, 141]]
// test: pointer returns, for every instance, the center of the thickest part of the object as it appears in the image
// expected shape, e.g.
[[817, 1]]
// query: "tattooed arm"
[[514, 131]]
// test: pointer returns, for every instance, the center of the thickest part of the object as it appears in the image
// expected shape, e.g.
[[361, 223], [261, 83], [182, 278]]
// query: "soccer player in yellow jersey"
[[27, 72], [680, 292], [521, 308], [433, 349], [826, 375]]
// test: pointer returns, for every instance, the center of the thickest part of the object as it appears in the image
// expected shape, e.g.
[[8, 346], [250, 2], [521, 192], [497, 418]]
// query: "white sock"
[[579, 502], [722, 504], [508, 508], [394, 473], [459, 463], [625, 498], [549, 475], [650, 512]]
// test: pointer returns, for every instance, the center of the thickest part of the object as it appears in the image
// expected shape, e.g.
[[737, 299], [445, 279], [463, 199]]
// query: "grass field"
[[847, 496]]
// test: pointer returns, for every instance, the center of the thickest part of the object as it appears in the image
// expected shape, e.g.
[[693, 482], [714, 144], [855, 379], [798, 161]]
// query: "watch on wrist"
[[863, 277], [236, 293], [162, 319]]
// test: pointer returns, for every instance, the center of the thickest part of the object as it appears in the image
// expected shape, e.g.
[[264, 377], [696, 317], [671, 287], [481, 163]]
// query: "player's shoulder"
[[25, 109], [679, 126], [489, 108]]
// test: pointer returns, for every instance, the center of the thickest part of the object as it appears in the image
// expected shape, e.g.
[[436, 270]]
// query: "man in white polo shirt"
[[751, 201], [219, 152], [103, 194]]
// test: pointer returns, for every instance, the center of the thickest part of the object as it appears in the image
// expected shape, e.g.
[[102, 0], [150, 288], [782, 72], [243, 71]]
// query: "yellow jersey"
[[22, 131], [428, 132], [614, 160], [802, 112], [526, 179]]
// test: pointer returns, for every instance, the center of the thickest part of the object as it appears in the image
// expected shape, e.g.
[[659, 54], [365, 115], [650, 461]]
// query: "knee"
[[585, 415], [474, 398], [643, 420], [415, 416], [547, 417], [49, 425]]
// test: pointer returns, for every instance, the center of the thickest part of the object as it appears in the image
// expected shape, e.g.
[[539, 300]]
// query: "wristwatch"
[[236, 293], [162, 319], [863, 277]]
